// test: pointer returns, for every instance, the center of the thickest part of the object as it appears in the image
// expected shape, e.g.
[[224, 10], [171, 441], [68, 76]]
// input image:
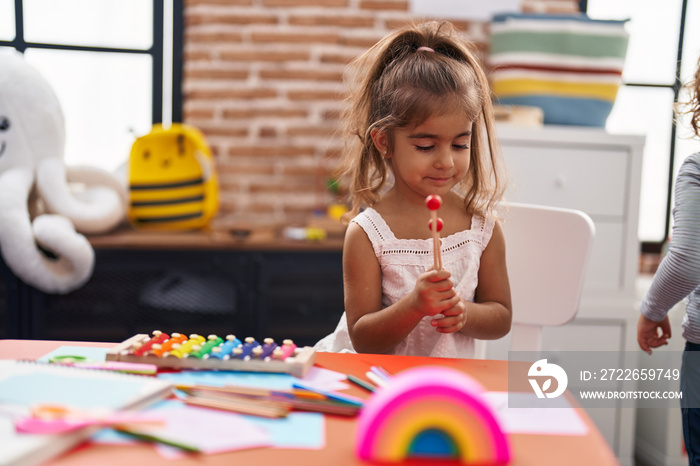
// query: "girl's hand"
[[434, 293], [455, 318]]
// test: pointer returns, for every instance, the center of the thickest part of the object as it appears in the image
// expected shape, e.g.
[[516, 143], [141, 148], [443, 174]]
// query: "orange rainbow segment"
[[431, 412]]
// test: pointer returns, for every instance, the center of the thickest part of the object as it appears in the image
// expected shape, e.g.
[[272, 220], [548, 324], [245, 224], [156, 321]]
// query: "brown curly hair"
[[691, 107], [394, 85]]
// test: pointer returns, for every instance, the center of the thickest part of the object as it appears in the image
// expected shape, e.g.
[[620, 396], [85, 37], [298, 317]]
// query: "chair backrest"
[[546, 253]]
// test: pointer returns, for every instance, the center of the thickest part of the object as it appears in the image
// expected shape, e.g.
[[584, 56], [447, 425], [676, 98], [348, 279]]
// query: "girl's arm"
[[373, 329], [489, 316]]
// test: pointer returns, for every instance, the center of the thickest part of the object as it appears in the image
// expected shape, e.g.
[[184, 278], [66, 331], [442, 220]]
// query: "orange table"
[[528, 450]]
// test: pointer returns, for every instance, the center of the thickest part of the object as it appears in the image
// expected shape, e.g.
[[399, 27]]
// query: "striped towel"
[[568, 65]]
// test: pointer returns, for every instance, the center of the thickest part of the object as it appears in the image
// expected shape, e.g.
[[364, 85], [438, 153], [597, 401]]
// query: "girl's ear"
[[381, 141]]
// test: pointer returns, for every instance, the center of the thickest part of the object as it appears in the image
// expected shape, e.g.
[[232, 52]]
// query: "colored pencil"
[[381, 372], [154, 438], [358, 381], [258, 402], [378, 381], [330, 395], [251, 391]]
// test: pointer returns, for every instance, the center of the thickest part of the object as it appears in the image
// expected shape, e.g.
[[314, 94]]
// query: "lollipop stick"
[[437, 254], [433, 203]]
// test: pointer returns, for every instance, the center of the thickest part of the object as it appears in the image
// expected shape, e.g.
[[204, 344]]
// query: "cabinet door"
[[594, 181], [301, 295], [134, 291], [587, 179]]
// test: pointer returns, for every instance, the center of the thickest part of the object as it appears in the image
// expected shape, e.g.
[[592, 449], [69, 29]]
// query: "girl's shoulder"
[[373, 224]]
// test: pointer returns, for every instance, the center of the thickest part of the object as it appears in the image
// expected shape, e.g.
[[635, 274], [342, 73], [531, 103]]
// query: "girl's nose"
[[444, 159]]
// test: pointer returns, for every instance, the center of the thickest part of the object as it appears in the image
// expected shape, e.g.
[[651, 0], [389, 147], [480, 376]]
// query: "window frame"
[[657, 246], [156, 51]]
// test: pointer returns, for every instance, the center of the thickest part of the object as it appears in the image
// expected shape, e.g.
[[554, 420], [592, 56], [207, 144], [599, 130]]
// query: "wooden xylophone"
[[177, 351]]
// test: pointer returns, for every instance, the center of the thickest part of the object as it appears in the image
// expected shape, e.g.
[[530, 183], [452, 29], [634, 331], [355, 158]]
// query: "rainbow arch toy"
[[431, 413]]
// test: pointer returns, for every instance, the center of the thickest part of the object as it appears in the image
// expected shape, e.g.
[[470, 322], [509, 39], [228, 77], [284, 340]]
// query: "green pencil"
[[361, 383], [153, 438]]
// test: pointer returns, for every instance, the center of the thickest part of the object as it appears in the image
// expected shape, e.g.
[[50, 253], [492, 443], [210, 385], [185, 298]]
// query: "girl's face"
[[433, 157]]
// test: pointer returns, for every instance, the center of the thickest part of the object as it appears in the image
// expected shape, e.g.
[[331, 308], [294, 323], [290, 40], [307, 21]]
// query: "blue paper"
[[77, 390], [272, 381], [297, 430]]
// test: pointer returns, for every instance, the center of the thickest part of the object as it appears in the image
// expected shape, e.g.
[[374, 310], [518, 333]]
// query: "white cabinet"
[[599, 173]]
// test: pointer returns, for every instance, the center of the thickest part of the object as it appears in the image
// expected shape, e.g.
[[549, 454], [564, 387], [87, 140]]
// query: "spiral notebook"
[[24, 384]]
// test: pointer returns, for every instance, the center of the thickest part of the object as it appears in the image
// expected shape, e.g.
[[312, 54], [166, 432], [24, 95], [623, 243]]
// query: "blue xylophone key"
[[224, 350], [244, 351]]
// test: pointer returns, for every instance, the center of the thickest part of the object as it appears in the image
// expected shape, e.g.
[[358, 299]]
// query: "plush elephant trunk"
[[97, 208], [70, 260]]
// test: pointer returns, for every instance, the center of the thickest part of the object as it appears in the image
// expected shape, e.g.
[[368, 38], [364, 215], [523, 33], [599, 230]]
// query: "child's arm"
[[373, 329], [489, 316]]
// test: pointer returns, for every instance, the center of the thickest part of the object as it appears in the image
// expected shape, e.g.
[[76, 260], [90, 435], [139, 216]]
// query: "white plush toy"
[[39, 209]]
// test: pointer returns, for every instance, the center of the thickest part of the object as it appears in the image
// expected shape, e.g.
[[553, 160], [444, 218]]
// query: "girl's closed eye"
[[460, 146], [424, 148]]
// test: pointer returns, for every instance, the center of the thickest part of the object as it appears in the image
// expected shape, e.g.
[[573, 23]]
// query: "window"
[[112, 64], [656, 67]]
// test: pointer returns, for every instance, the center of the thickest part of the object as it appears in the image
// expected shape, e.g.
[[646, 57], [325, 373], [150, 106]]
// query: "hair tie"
[[424, 49]]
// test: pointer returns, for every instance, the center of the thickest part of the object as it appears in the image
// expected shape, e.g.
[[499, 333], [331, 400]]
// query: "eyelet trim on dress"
[[460, 244], [387, 252], [376, 228]]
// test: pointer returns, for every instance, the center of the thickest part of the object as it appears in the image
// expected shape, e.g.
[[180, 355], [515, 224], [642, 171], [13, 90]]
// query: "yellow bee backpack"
[[172, 180]]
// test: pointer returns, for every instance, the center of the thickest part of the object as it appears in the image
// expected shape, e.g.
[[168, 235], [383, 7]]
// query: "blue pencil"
[[329, 395]]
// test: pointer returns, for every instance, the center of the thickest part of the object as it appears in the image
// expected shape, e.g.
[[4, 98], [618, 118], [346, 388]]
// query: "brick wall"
[[263, 81]]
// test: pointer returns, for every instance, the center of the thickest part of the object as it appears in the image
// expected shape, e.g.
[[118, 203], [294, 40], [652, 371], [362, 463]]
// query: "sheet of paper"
[[298, 430], [563, 420], [207, 429], [325, 379], [220, 378]]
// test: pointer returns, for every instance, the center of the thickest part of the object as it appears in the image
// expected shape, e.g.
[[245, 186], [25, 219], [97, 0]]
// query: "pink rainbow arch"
[[431, 412]]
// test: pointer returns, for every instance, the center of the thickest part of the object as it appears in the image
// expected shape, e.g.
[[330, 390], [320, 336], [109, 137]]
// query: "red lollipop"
[[439, 224], [433, 202]]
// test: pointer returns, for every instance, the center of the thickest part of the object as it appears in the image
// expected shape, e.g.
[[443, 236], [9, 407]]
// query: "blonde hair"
[[395, 85], [692, 106]]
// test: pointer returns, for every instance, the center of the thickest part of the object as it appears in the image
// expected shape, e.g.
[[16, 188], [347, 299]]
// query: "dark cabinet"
[[261, 293]]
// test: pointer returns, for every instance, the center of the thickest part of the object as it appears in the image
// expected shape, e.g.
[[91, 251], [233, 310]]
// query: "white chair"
[[546, 253]]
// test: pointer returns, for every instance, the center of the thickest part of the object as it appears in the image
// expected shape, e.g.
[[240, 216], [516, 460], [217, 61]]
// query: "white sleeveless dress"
[[402, 261]]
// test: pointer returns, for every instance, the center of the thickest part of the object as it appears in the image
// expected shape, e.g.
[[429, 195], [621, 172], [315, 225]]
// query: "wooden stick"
[[437, 253], [433, 203]]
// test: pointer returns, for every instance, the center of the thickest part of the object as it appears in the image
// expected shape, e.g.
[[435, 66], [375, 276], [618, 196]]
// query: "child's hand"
[[434, 293], [454, 319]]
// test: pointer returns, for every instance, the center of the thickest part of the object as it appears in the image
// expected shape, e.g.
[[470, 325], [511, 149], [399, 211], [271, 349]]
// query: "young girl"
[[421, 113]]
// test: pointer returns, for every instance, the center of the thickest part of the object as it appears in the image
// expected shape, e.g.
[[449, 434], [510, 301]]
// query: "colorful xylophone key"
[[225, 349], [245, 350], [179, 351], [265, 350], [158, 337], [286, 350], [199, 351], [167, 345]]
